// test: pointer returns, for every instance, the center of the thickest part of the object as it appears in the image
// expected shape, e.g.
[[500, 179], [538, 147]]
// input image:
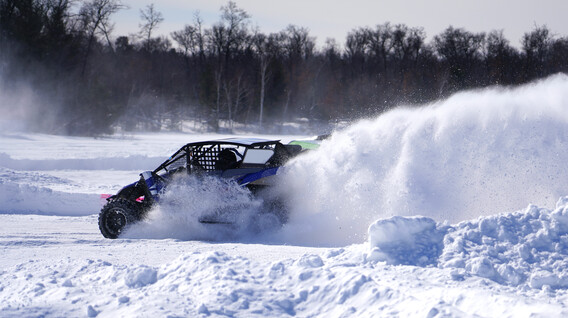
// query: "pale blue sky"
[[334, 19]]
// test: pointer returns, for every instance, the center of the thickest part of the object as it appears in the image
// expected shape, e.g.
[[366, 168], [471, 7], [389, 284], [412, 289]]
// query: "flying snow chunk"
[[406, 241], [140, 277]]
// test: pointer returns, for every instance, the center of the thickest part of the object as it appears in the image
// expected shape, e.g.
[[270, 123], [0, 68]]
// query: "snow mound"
[[140, 277], [526, 248], [339, 283]]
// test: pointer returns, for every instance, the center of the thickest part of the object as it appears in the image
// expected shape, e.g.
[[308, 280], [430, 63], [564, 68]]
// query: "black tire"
[[116, 215]]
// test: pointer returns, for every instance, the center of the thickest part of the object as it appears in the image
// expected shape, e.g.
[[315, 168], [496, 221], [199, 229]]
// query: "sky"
[[334, 19]]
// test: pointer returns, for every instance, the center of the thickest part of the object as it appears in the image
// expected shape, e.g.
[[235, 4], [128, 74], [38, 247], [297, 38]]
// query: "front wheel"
[[116, 215]]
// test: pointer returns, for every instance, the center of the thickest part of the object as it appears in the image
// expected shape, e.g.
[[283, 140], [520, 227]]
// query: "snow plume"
[[16, 104], [189, 199], [26, 105], [477, 153]]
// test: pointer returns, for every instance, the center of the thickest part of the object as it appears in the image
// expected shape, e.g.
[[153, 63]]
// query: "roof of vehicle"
[[246, 142]]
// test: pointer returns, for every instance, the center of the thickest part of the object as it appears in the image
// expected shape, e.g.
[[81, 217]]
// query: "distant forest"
[[93, 81]]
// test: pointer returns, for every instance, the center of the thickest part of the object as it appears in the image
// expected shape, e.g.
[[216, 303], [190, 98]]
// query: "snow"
[[456, 209], [475, 154]]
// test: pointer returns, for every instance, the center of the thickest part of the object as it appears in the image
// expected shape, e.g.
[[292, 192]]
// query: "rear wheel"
[[116, 215]]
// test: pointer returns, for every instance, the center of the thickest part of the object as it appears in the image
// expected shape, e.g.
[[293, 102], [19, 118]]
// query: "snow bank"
[[28, 198], [135, 162], [336, 284], [523, 249], [477, 153]]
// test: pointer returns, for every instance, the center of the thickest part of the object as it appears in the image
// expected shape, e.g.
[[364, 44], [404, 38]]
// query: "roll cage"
[[225, 154]]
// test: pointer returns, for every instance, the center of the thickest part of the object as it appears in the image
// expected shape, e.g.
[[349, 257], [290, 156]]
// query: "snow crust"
[[451, 210]]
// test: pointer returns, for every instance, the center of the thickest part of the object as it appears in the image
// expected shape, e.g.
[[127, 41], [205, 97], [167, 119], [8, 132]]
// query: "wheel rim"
[[115, 220]]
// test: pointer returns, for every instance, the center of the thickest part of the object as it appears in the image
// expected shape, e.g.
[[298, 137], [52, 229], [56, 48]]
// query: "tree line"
[[230, 73]]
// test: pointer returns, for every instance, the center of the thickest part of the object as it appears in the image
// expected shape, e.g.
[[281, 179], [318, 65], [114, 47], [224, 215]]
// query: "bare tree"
[[226, 38], [380, 43], [300, 45], [407, 42], [235, 22], [299, 49], [536, 47], [500, 58], [186, 38], [461, 50], [557, 56], [95, 17], [356, 43], [199, 35], [240, 90], [262, 46], [191, 38], [217, 41], [264, 75], [406, 46], [150, 21]]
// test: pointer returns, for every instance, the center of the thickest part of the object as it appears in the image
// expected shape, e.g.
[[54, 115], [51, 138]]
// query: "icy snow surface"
[[455, 209]]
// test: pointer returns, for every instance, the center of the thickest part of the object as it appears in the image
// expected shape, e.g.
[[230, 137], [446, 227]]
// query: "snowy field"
[[455, 209]]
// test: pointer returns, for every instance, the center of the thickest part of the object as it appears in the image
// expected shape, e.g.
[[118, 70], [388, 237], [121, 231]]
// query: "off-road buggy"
[[249, 162]]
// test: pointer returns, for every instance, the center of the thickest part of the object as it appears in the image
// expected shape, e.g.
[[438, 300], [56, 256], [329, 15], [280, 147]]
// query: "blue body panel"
[[157, 187], [251, 177]]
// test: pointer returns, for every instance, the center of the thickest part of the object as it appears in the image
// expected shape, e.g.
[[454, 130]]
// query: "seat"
[[226, 159], [283, 153]]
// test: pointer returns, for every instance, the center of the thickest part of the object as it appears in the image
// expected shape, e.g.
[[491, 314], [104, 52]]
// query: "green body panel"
[[306, 144]]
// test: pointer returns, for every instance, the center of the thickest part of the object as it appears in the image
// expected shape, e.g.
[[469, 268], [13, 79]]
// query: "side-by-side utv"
[[249, 162]]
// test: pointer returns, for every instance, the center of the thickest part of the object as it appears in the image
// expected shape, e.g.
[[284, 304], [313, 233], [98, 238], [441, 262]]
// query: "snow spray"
[[189, 199], [474, 154]]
